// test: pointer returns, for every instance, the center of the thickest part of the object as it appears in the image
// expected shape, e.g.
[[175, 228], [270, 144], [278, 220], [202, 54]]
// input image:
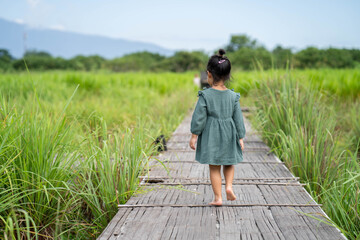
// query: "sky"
[[198, 24]]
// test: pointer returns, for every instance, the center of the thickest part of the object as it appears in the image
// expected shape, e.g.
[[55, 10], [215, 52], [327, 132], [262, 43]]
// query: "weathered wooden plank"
[[233, 223], [192, 170], [280, 194], [152, 229], [195, 194], [248, 223], [261, 156], [222, 206], [223, 183], [185, 227], [121, 227], [202, 194], [115, 223], [242, 162], [161, 179], [206, 181], [293, 223]]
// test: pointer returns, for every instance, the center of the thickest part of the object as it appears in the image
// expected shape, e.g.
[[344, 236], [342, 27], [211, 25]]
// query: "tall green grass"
[[67, 160], [340, 82], [300, 126], [354, 122], [36, 172], [340, 87]]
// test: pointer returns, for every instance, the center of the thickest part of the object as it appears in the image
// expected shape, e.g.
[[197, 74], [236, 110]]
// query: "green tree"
[[338, 58], [140, 61], [282, 56], [243, 58], [35, 60], [355, 54], [5, 60], [311, 57], [184, 61], [86, 63], [247, 58], [241, 41], [39, 60], [264, 57]]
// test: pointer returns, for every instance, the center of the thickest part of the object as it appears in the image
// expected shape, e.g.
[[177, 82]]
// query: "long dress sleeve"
[[238, 118], [199, 116]]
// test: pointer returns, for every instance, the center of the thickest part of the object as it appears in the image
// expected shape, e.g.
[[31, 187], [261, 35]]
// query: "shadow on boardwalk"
[[270, 201]]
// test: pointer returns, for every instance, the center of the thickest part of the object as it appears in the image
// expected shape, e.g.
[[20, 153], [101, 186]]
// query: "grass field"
[[72, 144], [311, 121]]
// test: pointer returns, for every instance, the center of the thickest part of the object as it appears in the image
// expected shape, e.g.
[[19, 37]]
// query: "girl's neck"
[[219, 86]]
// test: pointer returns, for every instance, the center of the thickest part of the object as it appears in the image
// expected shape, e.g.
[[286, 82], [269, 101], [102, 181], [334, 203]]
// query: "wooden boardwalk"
[[270, 203]]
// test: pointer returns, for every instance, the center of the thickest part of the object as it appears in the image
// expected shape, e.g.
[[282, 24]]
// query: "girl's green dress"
[[218, 121]]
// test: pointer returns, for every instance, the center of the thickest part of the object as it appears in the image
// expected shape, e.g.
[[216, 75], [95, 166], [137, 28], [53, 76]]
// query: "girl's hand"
[[193, 140], [242, 144]]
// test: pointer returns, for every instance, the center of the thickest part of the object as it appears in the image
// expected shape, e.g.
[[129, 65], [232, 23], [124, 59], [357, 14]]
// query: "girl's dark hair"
[[219, 66]]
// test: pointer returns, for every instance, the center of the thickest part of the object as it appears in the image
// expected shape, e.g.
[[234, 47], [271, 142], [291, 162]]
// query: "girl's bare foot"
[[230, 194], [216, 203]]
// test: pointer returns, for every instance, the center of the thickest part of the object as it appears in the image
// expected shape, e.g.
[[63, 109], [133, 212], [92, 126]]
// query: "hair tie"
[[222, 60]]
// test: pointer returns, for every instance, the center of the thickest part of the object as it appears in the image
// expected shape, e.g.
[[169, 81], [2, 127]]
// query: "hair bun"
[[221, 52]]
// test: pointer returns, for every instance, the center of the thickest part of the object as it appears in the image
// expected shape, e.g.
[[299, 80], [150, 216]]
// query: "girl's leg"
[[215, 177], [229, 176]]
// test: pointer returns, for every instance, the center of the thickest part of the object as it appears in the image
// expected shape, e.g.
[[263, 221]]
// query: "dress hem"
[[218, 164]]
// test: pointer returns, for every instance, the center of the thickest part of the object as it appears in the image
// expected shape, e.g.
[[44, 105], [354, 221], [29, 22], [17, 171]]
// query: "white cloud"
[[58, 27], [19, 20]]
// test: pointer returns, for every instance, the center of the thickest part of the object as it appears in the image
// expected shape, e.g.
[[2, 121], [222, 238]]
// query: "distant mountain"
[[68, 44]]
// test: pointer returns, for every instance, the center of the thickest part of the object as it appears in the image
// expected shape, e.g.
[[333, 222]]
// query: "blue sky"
[[198, 25]]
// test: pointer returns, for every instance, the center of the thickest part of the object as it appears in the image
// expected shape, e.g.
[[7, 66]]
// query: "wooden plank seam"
[[179, 161], [234, 183], [224, 205], [202, 179]]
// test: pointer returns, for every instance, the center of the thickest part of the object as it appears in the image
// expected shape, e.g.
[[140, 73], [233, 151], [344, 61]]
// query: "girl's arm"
[[198, 120], [199, 116], [238, 118]]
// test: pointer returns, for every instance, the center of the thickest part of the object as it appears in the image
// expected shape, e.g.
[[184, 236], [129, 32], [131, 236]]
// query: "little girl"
[[217, 127]]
